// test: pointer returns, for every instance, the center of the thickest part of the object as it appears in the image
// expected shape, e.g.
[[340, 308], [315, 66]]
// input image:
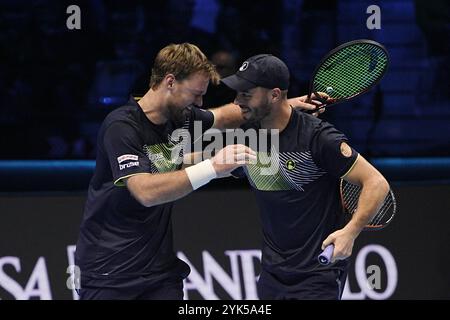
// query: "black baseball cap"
[[262, 70]]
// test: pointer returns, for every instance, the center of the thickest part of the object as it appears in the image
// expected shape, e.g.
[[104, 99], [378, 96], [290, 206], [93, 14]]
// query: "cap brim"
[[237, 83]]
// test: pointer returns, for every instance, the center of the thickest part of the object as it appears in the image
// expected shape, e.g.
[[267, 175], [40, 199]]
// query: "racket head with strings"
[[349, 197], [348, 71], [386, 212]]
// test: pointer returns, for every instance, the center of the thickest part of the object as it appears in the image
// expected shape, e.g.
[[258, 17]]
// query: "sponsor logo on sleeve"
[[128, 157], [128, 165]]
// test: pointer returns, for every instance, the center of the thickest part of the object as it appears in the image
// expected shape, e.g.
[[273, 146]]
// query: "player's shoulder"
[[309, 122], [123, 115], [311, 128]]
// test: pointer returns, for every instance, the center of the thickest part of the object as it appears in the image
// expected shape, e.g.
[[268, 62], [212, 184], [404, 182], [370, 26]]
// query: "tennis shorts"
[[164, 290], [318, 285]]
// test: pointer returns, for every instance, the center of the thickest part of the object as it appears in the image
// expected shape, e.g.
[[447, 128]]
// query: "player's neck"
[[153, 105], [279, 117]]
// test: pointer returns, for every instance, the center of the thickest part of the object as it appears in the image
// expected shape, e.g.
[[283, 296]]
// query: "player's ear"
[[275, 94], [169, 81]]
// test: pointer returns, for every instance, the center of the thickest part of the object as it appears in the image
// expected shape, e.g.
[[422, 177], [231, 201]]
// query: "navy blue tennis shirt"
[[299, 202], [120, 240]]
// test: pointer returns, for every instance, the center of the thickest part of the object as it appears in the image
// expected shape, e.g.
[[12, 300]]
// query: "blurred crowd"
[[56, 85]]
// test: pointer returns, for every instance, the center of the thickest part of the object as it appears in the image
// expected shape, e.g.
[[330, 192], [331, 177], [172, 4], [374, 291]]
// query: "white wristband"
[[201, 173]]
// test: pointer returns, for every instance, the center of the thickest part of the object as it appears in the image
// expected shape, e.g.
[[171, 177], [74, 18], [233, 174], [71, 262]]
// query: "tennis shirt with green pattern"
[[299, 202], [120, 240]]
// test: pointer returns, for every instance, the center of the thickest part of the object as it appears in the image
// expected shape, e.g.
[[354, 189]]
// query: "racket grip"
[[325, 257]]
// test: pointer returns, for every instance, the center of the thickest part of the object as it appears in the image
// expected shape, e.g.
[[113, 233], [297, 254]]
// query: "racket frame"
[[369, 227], [322, 61]]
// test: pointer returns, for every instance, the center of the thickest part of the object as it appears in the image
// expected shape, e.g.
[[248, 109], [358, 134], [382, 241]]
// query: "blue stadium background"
[[57, 84]]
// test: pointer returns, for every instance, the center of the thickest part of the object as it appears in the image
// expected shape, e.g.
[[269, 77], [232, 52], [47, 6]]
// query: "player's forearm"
[[192, 158], [228, 116], [154, 189], [372, 195]]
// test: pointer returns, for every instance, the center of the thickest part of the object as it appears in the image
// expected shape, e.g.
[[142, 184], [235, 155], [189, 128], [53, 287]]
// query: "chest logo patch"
[[290, 164]]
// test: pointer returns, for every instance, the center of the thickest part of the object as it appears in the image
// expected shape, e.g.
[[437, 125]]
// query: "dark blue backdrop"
[[57, 85]]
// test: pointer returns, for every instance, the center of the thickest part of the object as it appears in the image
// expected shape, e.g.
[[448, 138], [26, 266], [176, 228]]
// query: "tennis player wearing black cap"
[[299, 202], [125, 246]]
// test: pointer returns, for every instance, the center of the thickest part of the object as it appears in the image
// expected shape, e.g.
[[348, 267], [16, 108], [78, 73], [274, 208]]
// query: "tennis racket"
[[348, 71], [349, 197]]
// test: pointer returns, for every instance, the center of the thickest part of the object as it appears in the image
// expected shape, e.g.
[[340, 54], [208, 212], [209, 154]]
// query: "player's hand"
[[232, 157], [343, 241], [311, 104]]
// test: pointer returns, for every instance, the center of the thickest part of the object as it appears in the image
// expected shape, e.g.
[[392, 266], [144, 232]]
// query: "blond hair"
[[181, 60]]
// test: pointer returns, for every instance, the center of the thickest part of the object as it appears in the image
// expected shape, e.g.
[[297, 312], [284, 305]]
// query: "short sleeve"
[[125, 153], [205, 116], [329, 152], [238, 173]]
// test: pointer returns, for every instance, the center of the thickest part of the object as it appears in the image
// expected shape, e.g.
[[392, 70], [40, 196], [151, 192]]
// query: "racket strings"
[[357, 80], [350, 70], [377, 220], [351, 194], [361, 59], [347, 69], [387, 207]]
